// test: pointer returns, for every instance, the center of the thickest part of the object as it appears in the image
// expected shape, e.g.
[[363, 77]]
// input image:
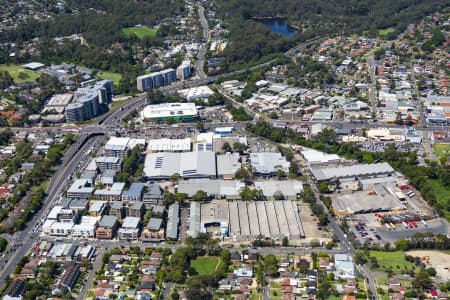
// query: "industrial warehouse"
[[247, 220]]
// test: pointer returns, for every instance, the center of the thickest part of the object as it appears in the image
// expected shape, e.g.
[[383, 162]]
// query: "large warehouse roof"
[[317, 157], [289, 188], [169, 145], [227, 188], [268, 162], [187, 164], [362, 170]]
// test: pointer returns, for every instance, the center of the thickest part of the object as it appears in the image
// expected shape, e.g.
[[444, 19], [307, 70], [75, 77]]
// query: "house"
[[243, 272], [393, 281], [15, 289], [147, 286], [69, 276], [107, 227]]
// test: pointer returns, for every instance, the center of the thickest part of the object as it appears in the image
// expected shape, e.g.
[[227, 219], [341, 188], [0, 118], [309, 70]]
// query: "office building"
[[172, 111]]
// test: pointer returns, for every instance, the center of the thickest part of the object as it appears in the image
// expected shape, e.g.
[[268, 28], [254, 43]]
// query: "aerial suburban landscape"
[[225, 149]]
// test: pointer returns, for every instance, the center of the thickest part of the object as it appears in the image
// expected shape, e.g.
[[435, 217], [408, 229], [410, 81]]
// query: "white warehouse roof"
[[318, 157], [169, 145], [361, 170], [165, 110], [187, 164]]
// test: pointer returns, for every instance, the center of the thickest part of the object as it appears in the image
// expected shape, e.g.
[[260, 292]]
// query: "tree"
[[278, 195], [226, 147], [273, 115], [175, 177], [401, 244], [422, 281], [431, 271], [200, 196], [243, 174], [323, 187], [200, 126], [239, 147]]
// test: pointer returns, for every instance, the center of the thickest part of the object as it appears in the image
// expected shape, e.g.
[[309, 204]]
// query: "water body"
[[280, 26]]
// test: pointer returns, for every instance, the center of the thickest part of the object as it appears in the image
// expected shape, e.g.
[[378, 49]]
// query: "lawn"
[[16, 70], [205, 265], [385, 32], [391, 260], [442, 149], [140, 31], [110, 75]]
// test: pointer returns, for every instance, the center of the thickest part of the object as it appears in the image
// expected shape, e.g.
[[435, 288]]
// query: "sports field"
[[140, 31]]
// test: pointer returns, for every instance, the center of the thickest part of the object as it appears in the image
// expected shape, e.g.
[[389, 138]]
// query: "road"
[[373, 84], [90, 279], [201, 53], [27, 237], [335, 229]]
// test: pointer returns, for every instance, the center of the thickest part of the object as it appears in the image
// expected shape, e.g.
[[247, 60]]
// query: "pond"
[[280, 26]]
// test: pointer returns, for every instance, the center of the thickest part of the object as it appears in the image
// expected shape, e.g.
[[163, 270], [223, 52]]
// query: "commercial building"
[[227, 165], [80, 188], [129, 229], [348, 173], [104, 163], [107, 227], [376, 198], [113, 193], [218, 189], [187, 164], [169, 145], [97, 208], [173, 220], [86, 228], [136, 209], [386, 134], [134, 193], [57, 103], [156, 80], [196, 93], [246, 221], [280, 190], [184, 70], [172, 111], [117, 146], [314, 157], [153, 232], [268, 163]]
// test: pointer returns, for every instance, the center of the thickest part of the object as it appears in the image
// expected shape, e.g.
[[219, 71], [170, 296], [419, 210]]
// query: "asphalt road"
[[201, 53]]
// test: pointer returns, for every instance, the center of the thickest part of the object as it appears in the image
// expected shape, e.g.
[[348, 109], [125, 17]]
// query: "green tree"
[[200, 196]]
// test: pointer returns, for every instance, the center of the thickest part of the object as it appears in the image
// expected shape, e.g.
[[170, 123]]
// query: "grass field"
[[391, 260], [442, 149], [15, 70], [205, 265], [110, 75], [140, 31], [385, 32], [442, 195]]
